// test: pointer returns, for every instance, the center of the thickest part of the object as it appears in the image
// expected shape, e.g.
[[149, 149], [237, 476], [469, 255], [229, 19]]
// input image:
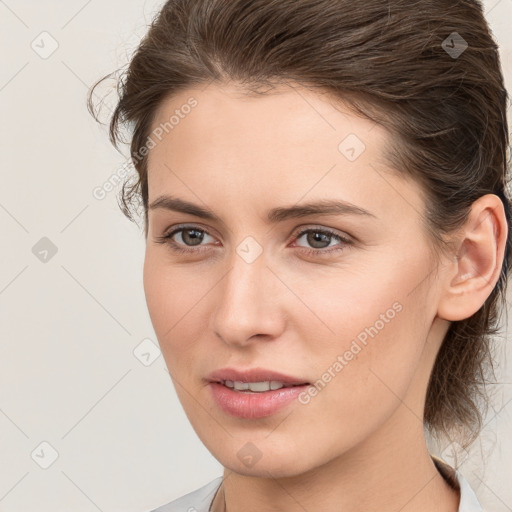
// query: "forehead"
[[286, 116], [281, 146]]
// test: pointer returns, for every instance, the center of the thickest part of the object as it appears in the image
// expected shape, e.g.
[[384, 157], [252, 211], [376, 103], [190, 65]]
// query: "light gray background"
[[71, 326]]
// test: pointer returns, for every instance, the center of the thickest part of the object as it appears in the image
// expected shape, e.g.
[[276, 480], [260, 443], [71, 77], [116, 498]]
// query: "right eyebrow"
[[179, 205]]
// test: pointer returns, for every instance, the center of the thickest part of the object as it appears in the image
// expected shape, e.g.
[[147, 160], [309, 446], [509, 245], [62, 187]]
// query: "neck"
[[378, 475]]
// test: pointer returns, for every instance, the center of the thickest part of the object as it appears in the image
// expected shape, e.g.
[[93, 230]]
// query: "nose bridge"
[[247, 298]]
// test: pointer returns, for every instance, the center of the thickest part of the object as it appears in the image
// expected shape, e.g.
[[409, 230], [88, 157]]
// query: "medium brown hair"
[[396, 62]]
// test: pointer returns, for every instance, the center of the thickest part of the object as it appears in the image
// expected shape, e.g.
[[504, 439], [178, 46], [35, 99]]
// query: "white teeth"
[[256, 387]]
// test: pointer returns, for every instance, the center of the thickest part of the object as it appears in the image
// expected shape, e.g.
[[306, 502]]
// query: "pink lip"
[[244, 404], [253, 375]]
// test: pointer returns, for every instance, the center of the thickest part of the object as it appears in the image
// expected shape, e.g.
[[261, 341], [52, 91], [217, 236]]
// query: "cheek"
[[174, 299], [371, 335], [155, 284], [346, 304]]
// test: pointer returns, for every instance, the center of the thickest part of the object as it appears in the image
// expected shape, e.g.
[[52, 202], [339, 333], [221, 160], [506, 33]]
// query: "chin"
[[261, 456], [271, 467]]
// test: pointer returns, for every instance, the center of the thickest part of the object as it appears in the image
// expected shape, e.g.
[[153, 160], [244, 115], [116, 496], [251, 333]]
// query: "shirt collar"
[[468, 499]]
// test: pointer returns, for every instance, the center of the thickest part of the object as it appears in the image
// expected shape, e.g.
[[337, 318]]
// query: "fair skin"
[[359, 444]]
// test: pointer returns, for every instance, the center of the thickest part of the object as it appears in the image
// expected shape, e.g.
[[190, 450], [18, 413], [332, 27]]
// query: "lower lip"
[[243, 404]]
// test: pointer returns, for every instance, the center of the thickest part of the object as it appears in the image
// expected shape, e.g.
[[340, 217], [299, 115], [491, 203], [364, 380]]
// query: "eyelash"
[[167, 239]]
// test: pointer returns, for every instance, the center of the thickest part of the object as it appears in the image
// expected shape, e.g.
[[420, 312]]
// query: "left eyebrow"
[[280, 214], [323, 207]]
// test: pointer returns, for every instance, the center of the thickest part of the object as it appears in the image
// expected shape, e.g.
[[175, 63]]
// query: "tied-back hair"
[[400, 63]]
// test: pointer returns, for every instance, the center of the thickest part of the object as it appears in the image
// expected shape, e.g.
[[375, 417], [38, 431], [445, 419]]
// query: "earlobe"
[[473, 275]]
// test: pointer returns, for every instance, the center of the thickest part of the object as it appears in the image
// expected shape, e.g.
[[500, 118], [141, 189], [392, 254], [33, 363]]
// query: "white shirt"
[[201, 499]]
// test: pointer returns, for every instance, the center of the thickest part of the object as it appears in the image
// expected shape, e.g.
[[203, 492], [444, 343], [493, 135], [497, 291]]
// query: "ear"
[[476, 268]]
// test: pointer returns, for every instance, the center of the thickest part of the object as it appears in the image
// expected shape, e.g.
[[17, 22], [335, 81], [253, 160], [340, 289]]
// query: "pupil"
[[315, 237], [195, 237]]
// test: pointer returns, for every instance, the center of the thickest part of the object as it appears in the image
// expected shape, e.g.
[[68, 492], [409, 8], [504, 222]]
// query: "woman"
[[323, 185]]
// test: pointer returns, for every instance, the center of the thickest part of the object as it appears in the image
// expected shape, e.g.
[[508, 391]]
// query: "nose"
[[248, 303]]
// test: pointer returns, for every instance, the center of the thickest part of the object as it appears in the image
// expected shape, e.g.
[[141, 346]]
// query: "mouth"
[[254, 393], [255, 380]]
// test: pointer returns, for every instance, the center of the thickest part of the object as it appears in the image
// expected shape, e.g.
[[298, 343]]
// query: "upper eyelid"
[[210, 231], [176, 229]]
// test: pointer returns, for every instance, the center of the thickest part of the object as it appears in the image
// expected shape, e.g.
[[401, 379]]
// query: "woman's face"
[[353, 311]]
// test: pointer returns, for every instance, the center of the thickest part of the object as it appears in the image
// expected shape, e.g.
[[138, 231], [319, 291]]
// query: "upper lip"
[[253, 375]]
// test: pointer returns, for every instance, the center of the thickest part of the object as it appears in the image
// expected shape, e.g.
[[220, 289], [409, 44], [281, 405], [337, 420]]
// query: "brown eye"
[[320, 239], [191, 236]]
